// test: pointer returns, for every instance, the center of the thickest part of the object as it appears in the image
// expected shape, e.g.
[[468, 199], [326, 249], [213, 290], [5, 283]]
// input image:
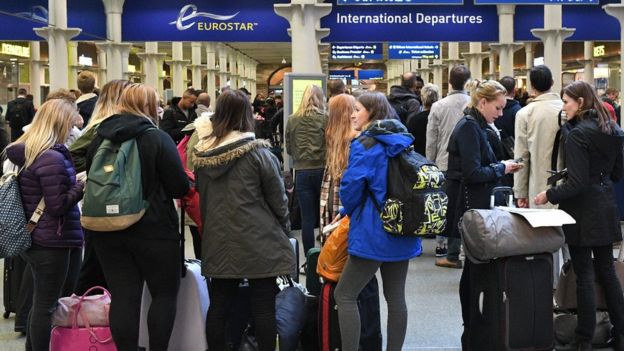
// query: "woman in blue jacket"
[[370, 247]]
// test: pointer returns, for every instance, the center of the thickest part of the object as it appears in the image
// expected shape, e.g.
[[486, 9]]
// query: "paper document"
[[542, 217]]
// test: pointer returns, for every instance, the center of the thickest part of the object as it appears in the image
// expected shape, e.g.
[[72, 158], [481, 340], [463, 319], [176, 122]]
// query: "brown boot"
[[446, 263]]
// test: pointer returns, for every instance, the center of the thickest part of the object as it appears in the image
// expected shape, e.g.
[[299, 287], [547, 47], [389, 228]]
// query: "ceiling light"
[[283, 61]]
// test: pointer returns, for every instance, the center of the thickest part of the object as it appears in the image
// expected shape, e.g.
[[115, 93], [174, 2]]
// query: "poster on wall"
[[188, 20]]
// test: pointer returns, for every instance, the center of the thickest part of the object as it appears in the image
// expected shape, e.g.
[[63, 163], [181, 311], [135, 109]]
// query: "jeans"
[[454, 248], [308, 189], [222, 293], [55, 272], [585, 269], [128, 262], [91, 273], [356, 274]]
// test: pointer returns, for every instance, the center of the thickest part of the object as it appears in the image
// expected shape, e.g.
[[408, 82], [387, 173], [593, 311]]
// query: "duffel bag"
[[490, 234]]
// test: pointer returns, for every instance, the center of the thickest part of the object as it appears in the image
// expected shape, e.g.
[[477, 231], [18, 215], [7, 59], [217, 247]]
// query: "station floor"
[[434, 317]]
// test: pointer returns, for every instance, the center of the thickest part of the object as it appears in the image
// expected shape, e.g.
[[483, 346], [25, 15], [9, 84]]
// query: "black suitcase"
[[13, 274], [510, 304], [370, 320], [313, 280]]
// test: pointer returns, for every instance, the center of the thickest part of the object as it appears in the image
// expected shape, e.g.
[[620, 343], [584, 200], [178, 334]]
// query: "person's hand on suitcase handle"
[[541, 199], [523, 202]]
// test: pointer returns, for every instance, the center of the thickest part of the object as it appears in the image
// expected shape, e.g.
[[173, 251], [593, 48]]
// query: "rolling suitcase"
[[510, 304], [313, 280], [13, 274], [295, 274], [370, 320]]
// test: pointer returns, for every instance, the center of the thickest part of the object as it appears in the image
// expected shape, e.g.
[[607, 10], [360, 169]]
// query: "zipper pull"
[[504, 297]]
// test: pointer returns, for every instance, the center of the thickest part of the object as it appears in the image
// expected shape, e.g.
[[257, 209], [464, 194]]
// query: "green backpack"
[[113, 198]]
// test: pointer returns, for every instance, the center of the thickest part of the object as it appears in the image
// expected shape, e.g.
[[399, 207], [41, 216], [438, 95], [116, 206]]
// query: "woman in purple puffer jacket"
[[47, 172]]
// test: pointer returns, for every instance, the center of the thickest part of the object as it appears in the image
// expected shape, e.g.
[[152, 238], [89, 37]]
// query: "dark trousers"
[[55, 272], [196, 241], [24, 300], [222, 293], [91, 273], [586, 269], [308, 189], [128, 262]]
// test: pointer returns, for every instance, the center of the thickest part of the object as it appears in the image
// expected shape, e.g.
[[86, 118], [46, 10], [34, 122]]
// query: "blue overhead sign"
[[416, 51], [356, 51], [187, 20], [412, 23], [366, 74], [342, 74], [400, 2], [536, 2], [591, 22], [19, 18]]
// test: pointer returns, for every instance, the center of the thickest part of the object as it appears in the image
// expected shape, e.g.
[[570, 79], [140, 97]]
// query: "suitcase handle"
[[504, 190]]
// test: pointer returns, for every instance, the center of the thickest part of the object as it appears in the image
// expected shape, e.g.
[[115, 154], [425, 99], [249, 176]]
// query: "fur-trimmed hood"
[[220, 158]]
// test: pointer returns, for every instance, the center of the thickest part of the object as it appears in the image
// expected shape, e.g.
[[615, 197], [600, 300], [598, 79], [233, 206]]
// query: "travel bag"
[[13, 275], [313, 280]]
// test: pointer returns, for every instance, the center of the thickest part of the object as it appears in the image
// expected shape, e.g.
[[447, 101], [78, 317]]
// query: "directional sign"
[[365, 74], [357, 51], [407, 51], [342, 74]]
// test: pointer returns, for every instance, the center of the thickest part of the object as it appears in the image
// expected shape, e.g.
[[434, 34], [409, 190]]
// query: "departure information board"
[[357, 51], [413, 51]]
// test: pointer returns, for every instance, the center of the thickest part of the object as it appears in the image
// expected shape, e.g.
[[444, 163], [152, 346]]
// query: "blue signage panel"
[[535, 2], [341, 74], [365, 74], [417, 51], [184, 20], [591, 22], [357, 51], [412, 23], [18, 19], [400, 2]]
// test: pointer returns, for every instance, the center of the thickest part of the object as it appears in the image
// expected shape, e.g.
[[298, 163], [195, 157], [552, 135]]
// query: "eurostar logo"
[[189, 12]]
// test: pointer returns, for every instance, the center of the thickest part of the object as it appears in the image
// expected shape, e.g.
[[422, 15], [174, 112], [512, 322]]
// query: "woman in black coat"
[[593, 156]]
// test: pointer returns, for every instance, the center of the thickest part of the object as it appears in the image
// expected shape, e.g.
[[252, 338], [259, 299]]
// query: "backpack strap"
[[34, 219], [555, 151]]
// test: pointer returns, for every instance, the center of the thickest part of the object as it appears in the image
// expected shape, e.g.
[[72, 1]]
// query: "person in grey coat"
[[246, 223]]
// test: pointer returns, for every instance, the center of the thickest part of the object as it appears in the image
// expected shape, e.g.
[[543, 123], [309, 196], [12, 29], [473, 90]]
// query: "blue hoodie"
[[366, 176]]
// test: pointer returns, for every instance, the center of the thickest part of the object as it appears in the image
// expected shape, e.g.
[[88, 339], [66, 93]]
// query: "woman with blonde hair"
[[473, 171], [305, 143], [149, 250], [47, 174], [91, 271]]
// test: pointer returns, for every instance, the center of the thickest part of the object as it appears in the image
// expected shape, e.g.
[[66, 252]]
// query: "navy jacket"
[[507, 122], [52, 176], [473, 170], [366, 174]]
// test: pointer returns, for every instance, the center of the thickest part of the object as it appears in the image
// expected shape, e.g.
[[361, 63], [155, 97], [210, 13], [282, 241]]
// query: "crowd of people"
[[340, 145]]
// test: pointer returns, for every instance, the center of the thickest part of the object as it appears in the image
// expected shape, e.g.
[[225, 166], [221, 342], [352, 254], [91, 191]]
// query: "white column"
[[475, 58], [196, 64], [36, 72], [152, 65], [588, 62], [240, 64], [233, 70], [553, 35], [211, 62], [304, 16], [116, 51], [72, 58], [492, 62], [617, 11], [57, 34], [438, 70], [425, 71], [254, 78], [223, 66], [453, 56], [102, 79], [529, 56], [506, 46], [178, 68]]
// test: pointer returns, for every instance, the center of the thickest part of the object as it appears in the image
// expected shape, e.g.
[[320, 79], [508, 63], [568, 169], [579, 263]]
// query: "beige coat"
[[536, 127]]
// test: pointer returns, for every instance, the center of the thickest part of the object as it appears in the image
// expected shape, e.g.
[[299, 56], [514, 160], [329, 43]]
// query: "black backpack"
[[415, 203], [400, 107]]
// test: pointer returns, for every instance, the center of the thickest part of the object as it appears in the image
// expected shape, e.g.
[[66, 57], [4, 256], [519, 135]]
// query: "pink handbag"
[[94, 308], [82, 337]]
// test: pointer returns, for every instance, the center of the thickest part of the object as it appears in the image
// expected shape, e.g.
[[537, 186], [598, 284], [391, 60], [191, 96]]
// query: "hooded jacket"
[[305, 140], [506, 123], [366, 176], [244, 207], [594, 161], [401, 96], [162, 175], [51, 176]]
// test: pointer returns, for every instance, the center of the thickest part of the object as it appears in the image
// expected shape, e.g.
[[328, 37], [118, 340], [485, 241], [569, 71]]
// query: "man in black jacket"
[[404, 98], [179, 115], [20, 113]]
